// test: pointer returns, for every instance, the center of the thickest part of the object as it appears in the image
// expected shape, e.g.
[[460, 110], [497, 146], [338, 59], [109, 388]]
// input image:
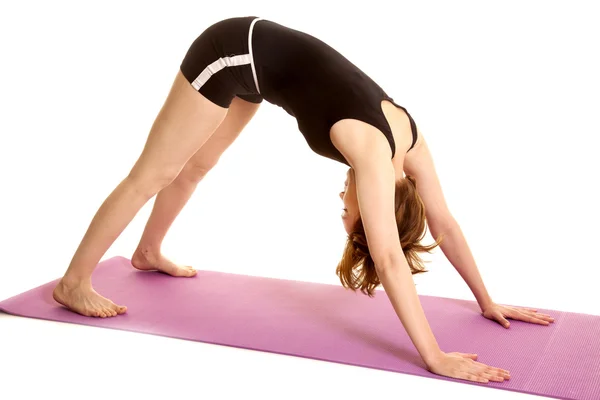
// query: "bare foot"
[[146, 261], [84, 300]]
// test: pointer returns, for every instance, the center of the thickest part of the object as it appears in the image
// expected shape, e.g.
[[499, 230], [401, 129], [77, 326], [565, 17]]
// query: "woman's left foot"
[[146, 261]]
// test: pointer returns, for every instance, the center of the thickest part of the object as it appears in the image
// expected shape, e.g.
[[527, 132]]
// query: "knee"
[[192, 172], [148, 183]]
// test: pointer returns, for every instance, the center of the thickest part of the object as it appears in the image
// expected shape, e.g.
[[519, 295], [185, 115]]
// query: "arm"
[[419, 164], [369, 154], [370, 157]]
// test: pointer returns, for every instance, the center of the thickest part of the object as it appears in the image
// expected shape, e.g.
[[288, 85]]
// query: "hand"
[[464, 366], [500, 314]]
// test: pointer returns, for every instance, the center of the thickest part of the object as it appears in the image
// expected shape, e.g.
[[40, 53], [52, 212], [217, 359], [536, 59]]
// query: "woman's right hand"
[[463, 366]]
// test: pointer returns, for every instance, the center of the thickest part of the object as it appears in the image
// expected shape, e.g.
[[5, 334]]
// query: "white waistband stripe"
[[251, 53], [233, 61], [218, 65]]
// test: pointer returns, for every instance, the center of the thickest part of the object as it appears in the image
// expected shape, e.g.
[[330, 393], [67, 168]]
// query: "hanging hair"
[[356, 269]]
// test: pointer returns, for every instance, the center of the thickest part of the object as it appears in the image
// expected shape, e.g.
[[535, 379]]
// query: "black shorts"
[[219, 63]]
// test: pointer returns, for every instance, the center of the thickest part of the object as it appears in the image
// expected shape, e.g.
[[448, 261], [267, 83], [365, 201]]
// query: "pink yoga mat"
[[328, 322]]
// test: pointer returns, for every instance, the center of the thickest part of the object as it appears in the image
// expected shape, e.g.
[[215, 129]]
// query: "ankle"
[[147, 252], [72, 281]]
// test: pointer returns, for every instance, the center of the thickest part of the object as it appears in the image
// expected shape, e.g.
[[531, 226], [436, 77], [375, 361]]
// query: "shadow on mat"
[[315, 308]]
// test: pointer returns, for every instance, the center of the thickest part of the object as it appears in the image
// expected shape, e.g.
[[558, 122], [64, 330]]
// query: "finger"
[[484, 373], [498, 372], [492, 370], [534, 320], [534, 314], [529, 309], [539, 321], [503, 321], [492, 377], [472, 377], [468, 355], [544, 317], [528, 317]]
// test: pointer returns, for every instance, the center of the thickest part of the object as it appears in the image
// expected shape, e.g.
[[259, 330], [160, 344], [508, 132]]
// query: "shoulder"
[[419, 157], [357, 141]]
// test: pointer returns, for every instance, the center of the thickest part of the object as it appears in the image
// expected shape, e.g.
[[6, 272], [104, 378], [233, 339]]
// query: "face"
[[351, 212]]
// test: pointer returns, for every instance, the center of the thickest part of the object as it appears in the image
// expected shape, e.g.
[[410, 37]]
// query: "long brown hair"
[[357, 271]]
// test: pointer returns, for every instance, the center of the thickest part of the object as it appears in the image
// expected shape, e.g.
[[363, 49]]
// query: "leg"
[[182, 126], [171, 200]]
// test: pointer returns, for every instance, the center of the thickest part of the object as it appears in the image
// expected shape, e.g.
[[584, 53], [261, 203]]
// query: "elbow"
[[387, 262], [442, 226]]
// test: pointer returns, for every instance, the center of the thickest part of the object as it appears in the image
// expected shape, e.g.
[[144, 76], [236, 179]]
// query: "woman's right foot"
[[146, 260], [84, 300]]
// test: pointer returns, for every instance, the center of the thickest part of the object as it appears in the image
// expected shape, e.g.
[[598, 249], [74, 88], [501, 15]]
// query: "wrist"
[[484, 305], [433, 358]]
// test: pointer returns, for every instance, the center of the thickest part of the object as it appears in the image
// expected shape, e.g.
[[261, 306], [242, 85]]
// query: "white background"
[[506, 94]]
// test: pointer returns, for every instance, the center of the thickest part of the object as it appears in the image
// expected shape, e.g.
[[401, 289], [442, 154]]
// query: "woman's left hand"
[[498, 313]]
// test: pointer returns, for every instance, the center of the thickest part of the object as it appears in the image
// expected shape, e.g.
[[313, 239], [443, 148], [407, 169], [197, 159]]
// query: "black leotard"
[[258, 59]]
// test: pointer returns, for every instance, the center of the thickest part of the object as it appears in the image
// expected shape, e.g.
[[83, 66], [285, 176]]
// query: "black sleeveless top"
[[318, 86]]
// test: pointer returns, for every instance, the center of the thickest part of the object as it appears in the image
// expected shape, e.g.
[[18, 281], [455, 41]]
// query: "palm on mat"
[[501, 314]]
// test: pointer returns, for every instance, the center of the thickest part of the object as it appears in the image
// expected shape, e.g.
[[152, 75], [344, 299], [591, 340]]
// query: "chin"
[[346, 225]]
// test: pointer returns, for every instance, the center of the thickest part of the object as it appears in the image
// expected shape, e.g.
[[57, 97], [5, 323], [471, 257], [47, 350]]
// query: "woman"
[[344, 115]]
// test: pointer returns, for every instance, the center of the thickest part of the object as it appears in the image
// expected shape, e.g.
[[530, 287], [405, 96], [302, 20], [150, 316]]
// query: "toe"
[[114, 309], [110, 309], [121, 309], [181, 271]]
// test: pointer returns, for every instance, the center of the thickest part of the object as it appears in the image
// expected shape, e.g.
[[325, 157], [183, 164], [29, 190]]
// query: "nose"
[[342, 195]]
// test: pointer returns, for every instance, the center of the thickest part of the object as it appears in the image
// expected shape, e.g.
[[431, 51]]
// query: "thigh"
[[239, 114], [185, 122]]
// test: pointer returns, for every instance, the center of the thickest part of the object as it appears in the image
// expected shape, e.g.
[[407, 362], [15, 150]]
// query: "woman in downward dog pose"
[[343, 115]]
